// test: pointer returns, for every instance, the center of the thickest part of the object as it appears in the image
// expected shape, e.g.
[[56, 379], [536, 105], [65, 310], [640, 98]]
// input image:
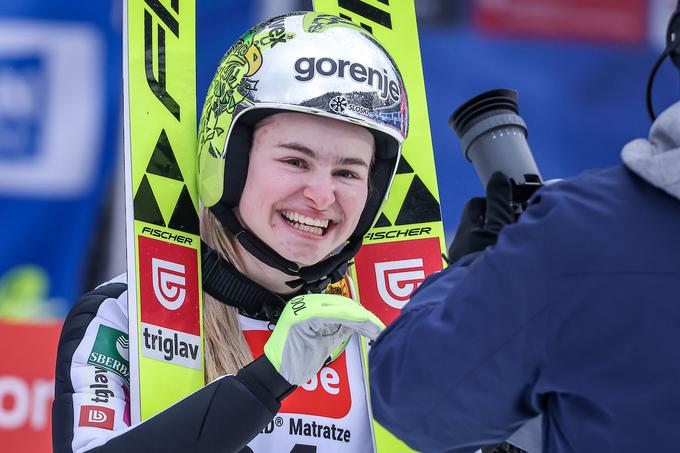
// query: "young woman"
[[299, 140]]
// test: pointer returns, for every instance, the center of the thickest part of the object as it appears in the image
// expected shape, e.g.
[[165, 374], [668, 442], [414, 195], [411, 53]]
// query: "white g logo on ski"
[[398, 279], [169, 283], [96, 416]]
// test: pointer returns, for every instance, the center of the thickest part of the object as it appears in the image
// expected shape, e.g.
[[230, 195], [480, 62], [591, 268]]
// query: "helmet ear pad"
[[237, 155]]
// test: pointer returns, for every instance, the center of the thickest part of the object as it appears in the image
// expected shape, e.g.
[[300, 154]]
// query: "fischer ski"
[[163, 243]]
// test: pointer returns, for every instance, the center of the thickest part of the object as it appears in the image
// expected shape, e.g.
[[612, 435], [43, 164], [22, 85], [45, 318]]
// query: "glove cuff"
[[262, 379]]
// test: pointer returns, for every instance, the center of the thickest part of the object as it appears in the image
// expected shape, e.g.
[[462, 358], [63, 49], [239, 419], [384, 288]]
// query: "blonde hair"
[[226, 349]]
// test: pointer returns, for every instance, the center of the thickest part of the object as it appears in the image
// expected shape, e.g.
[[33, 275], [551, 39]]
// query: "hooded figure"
[[573, 315]]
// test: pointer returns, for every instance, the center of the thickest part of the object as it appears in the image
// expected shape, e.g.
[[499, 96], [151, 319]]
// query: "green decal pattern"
[[315, 22], [163, 162], [410, 202]]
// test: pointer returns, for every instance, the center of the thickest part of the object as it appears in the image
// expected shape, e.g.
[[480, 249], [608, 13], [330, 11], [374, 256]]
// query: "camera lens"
[[493, 138]]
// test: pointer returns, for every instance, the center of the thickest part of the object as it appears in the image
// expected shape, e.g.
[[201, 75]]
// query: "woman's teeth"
[[310, 229], [304, 223]]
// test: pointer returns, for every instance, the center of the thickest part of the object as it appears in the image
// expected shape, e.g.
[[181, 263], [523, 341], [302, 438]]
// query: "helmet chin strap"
[[227, 285], [313, 278]]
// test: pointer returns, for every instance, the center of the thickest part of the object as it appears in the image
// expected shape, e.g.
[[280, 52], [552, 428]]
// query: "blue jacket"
[[574, 314]]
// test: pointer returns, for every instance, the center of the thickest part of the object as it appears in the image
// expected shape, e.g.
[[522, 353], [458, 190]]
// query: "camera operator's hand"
[[483, 218], [312, 328]]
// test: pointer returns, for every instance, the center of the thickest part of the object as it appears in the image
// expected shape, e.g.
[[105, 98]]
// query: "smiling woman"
[[307, 184], [292, 174]]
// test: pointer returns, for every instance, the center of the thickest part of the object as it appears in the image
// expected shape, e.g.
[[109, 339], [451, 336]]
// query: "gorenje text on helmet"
[[308, 67]]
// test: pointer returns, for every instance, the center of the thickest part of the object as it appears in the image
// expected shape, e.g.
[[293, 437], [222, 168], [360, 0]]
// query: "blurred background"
[[580, 67]]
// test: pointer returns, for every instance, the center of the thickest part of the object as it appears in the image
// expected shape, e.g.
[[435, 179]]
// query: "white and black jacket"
[[91, 409]]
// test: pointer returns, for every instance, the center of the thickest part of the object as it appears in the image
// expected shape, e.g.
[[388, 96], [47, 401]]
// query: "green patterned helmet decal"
[[317, 23], [230, 86]]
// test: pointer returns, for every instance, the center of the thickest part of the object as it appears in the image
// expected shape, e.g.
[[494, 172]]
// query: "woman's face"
[[307, 184]]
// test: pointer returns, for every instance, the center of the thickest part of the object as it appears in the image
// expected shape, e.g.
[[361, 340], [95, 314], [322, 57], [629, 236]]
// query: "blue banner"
[[60, 66]]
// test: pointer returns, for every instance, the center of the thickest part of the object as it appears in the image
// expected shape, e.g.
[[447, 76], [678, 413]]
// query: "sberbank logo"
[[110, 351]]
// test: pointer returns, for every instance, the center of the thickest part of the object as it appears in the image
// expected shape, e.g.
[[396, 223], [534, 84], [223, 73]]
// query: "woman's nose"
[[320, 190]]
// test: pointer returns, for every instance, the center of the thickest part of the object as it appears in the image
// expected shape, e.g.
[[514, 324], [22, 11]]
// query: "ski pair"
[[163, 242]]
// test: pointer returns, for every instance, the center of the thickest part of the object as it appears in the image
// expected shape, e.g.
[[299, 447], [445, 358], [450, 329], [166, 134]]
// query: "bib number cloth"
[[327, 414]]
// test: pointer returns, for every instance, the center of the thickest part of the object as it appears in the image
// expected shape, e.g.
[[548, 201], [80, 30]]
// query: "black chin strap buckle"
[[318, 286], [272, 312]]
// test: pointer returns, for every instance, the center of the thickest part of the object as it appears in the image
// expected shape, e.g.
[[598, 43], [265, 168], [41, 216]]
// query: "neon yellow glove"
[[311, 328]]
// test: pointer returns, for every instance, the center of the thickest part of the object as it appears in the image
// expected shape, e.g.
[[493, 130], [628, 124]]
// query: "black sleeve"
[[221, 417]]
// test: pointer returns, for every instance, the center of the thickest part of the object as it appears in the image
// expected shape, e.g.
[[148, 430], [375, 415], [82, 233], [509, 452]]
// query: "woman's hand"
[[311, 328]]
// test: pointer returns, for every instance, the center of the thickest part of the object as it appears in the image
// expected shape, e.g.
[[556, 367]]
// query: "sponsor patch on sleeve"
[[110, 351], [97, 417]]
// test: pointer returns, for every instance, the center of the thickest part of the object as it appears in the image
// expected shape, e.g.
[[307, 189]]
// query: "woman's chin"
[[305, 259], [304, 253], [304, 262]]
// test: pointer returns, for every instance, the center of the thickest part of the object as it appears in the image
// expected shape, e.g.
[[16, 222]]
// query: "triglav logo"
[[398, 279], [389, 272], [171, 346], [169, 283], [96, 417], [170, 314], [168, 286]]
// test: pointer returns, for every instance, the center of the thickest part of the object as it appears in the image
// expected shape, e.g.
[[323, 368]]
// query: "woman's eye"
[[296, 162], [347, 174]]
